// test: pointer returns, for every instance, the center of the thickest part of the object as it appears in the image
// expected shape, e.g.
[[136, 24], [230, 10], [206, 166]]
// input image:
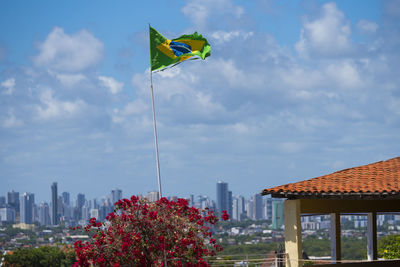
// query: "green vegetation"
[[353, 248], [260, 249], [389, 247], [226, 225], [42, 256]]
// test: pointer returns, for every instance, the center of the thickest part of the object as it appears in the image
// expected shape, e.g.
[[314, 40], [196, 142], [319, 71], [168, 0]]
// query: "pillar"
[[372, 251], [293, 239], [335, 234]]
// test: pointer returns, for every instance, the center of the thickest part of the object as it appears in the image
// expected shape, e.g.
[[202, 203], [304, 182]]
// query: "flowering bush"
[[143, 233]]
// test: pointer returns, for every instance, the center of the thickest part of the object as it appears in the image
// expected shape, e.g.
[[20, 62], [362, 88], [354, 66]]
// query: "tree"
[[389, 247], [143, 233], [42, 256]]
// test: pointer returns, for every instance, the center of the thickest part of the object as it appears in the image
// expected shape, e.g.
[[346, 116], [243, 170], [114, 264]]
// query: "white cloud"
[[345, 74], [113, 85], [200, 12], [224, 36], [366, 26], [135, 107], [70, 80], [71, 53], [52, 108], [11, 121], [327, 35], [9, 84]]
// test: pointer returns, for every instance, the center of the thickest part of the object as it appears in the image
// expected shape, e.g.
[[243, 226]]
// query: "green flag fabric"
[[164, 52]]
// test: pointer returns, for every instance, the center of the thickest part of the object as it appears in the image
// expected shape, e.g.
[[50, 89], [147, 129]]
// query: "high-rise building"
[[230, 203], [54, 204], [250, 208], [7, 215], [258, 207], [222, 197], [268, 208], [27, 202], [12, 200], [152, 196], [65, 198], [44, 214], [2, 201], [192, 201], [85, 216], [235, 210], [80, 202], [241, 207], [116, 195], [94, 213], [26, 206]]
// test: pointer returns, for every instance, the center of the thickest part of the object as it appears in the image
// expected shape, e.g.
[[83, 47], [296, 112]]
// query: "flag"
[[164, 52]]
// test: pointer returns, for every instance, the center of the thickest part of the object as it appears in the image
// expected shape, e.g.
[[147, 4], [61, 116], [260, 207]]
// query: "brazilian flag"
[[164, 52]]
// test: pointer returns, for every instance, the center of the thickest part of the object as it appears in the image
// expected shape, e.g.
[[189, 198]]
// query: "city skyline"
[[60, 208], [292, 90]]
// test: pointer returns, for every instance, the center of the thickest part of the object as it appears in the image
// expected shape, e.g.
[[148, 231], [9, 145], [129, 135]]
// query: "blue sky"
[[292, 90]]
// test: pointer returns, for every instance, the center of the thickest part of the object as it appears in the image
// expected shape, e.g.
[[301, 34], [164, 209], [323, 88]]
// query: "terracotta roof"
[[376, 180]]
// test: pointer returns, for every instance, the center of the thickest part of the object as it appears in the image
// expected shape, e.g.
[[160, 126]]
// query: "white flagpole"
[[155, 135]]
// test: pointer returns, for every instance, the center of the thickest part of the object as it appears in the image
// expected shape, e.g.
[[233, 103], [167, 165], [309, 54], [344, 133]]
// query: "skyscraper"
[[12, 200], [54, 204], [80, 202], [116, 195], [27, 202], [222, 197], [241, 207], [7, 214], [235, 209], [65, 198], [44, 214], [258, 207], [2, 201], [230, 203]]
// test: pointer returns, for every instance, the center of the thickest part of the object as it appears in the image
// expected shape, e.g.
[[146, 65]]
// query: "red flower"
[[140, 233], [225, 215]]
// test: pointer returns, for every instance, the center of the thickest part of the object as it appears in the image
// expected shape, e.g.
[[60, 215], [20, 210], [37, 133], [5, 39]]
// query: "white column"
[[335, 237], [372, 237], [293, 239]]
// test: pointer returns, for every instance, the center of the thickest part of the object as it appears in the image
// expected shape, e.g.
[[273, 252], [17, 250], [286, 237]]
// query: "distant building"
[[94, 213], [80, 202], [12, 200], [241, 207], [235, 210], [152, 196], [250, 209], [191, 199], [2, 201], [230, 203], [44, 214], [116, 195], [222, 197], [65, 198], [258, 207], [27, 202], [268, 208], [7, 215], [54, 204]]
